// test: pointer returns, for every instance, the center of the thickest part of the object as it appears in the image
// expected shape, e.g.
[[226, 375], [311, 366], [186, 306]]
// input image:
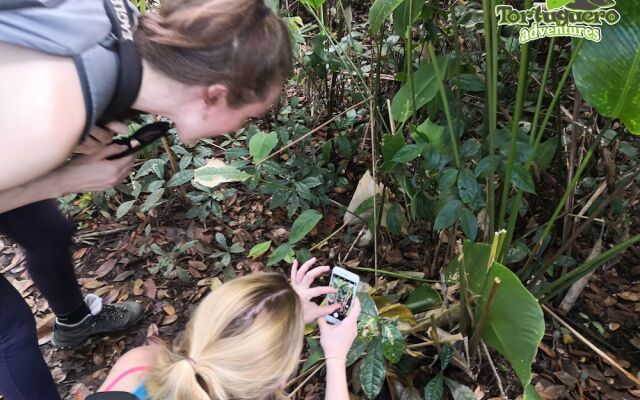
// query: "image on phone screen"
[[346, 289]]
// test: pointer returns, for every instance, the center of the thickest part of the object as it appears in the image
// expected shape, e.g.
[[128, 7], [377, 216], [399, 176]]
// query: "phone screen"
[[346, 289]]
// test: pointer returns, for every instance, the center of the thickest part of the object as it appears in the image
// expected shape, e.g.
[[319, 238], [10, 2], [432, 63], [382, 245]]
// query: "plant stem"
[[515, 124], [475, 340], [394, 274], [445, 103], [408, 50]]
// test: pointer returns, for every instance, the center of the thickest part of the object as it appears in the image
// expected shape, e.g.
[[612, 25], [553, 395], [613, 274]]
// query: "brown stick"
[[608, 359], [475, 339]]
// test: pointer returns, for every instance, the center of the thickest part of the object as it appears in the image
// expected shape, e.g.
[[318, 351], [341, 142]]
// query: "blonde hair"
[[239, 43], [242, 342]]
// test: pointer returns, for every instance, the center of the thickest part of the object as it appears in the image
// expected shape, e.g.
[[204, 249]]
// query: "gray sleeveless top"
[[79, 29]]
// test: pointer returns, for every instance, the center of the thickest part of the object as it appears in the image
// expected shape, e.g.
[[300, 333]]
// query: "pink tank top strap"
[[125, 373]]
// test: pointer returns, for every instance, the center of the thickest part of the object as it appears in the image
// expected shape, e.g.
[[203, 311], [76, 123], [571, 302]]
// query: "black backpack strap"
[[111, 396], [130, 68]]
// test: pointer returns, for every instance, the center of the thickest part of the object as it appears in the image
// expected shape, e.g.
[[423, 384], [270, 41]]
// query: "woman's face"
[[212, 116]]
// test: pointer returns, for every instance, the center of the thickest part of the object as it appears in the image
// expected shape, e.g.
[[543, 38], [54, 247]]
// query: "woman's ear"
[[215, 95]]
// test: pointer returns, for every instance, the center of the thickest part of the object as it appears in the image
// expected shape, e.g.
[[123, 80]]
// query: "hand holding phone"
[[345, 284]]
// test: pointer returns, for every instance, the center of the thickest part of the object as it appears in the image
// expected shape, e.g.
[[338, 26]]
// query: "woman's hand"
[[99, 137], [301, 280], [336, 339], [94, 173]]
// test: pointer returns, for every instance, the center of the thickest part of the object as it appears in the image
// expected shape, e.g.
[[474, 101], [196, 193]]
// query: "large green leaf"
[[515, 323], [401, 17], [372, 370], [423, 298], [304, 224], [435, 388], [379, 11], [607, 73], [425, 86], [280, 254], [213, 176], [261, 145]]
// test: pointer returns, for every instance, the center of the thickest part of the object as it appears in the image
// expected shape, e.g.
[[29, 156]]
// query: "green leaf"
[[259, 249], [401, 17], [379, 11], [395, 219], [154, 165], [124, 208], [313, 3], [213, 176], [152, 200], [447, 215], [472, 83], [367, 305], [515, 323], [407, 154], [467, 186], [312, 360], [459, 391], [446, 354], [303, 255], [372, 370], [279, 254], [607, 73], [180, 178], [435, 388], [553, 4], [545, 152], [355, 352], [425, 87], [429, 132], [521, 178], [391, 144], [422, 299], [261, 144], [469, 224], [304, 224], [392, 340]]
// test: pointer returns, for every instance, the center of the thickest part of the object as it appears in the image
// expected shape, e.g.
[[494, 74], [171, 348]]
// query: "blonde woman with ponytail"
[[70, 72], [242, 343]]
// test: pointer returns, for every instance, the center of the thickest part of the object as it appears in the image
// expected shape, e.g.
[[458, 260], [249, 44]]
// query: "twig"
[[104, 233], [493, 368], [475, 339], [318, 368], [325, 240], [311, 132], [451, 339], [608, 359], [364, 228]]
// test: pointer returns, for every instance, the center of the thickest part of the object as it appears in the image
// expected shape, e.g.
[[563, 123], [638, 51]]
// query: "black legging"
[[45, 235]]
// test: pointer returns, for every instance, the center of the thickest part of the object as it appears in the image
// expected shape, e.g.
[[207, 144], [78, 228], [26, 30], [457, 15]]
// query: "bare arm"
[[41, 113], [89, 173]]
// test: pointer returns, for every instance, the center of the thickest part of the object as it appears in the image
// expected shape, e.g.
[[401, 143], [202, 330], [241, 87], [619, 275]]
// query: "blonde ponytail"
[[242, 342]]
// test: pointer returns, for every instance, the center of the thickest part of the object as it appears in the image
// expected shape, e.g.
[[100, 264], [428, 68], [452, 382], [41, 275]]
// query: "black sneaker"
[[104, 319]]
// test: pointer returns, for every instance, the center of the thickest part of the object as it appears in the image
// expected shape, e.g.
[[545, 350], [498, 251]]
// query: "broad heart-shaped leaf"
[[261, 145], [280, 254], [552, 4], [448, 215], [425, 87], [372, 370], [607, 73], [259, 249], [435, 388], [304, 224], [392, 340], [515, 323], [379, 11]]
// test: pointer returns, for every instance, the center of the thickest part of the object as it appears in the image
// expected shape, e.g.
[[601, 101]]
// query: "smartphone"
[[346, 285]]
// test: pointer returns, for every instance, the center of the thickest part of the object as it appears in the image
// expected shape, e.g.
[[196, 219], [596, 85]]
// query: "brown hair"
[[243, 341], [241, 44]]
